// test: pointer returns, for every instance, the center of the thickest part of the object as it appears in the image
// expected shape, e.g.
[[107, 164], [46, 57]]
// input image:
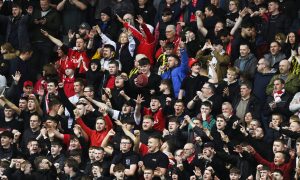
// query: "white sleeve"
[[106, 40], [131, 46]]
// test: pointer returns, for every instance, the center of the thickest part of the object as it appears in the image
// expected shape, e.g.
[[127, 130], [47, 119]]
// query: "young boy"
[[69, 79], [168, 49], [279, 162], [205, 115], [119, 172]]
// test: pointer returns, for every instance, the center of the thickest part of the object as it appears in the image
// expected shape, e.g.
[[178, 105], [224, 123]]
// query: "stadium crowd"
[[150, 89]]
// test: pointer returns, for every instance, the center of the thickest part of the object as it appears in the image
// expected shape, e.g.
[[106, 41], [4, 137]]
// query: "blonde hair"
[[9, 48], [119, 39], [234, 69]]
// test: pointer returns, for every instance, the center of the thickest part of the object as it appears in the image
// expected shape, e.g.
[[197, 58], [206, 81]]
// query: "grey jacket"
[[247, 65]]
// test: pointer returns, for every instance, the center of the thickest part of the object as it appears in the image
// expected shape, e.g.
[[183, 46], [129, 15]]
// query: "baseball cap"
[[85, 25], [193, 61], [208, 144], [28, 83]]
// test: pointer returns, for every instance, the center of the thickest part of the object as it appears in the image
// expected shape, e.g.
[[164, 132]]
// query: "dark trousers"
[[41, 56]]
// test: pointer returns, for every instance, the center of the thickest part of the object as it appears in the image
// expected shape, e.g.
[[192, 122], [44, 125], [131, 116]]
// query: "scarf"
[[277, 95]]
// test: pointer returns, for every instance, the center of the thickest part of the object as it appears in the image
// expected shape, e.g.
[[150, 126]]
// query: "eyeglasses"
[[127, 19]]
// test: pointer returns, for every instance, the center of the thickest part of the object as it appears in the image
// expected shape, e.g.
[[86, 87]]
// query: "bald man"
[[292, 82]]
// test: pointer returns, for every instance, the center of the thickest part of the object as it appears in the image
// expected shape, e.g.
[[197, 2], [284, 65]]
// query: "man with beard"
[[16, 31], [108, 53], [275, 55], [78, 54], [154, 110], [292, 82], [102, 126]]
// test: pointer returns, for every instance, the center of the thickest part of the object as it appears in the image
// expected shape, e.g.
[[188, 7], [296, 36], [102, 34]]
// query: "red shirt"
[[69, 86], [175, 42], [147, 44], [143, 150], [159, 118], [286, 168], [61, 63], [96, 137], [111, 82], [75, 56]]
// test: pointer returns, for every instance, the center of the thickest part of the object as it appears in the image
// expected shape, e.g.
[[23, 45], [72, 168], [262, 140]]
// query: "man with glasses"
[[207, 93], [262, 77], [189, 152], [126, 157]]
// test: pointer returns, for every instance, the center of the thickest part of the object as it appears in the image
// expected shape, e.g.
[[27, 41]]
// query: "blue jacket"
[[177, 74]]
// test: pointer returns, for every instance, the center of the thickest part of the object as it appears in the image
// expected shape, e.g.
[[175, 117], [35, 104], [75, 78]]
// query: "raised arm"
[[137, 110], [126, 131], [104, 38], [79, 4], [61, 5], [56, 41], [138, 35], [242, 14], [104, 143], [149, 36], [97, 103], [106, 118], [79, 121], [132, 44], [200, 25], [11, 105]]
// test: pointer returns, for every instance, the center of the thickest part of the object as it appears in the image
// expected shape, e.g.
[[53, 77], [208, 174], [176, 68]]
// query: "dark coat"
[[253, 105], [20, 23]]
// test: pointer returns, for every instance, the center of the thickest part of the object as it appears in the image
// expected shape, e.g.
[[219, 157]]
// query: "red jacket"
[[96, 137], [69, 86], [175, 42], [285, 168], [41, 83], [147, 44], [74, 56], [61, 63], [159, 118]]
